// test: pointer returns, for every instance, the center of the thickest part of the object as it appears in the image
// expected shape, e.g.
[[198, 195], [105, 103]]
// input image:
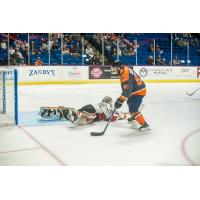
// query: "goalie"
[[85, 115]]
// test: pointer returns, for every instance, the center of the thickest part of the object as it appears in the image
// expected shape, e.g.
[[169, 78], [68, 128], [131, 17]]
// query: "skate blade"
[[145, 129], [189, 94]]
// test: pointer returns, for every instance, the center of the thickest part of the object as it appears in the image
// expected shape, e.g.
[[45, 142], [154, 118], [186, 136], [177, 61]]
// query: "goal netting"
[[8, 97]]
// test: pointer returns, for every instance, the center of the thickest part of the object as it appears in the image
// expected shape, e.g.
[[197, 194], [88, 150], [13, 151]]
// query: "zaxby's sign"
[[36, 72], [41, 73], [53, 73]]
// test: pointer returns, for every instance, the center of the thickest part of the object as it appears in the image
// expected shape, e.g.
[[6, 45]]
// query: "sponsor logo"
[[8, 75], [198, 72], [162, 71], [96, 72], [34, 72], [143, 72], [185, 70], [74, 72]]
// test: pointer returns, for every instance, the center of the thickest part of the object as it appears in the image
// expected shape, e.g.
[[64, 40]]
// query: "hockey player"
[[85, 115], [133, 90]]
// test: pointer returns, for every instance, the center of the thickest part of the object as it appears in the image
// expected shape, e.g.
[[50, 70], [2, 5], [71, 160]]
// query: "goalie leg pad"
[[54, 113], [48, 114]]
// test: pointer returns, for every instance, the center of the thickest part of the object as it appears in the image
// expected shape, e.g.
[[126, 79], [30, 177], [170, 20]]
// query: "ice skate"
[[144, 127]]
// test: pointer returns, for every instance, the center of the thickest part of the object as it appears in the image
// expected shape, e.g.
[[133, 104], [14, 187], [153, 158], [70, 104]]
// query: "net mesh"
[[7, 97]]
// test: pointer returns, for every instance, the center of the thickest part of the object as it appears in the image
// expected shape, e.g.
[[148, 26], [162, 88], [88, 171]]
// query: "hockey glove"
[[118, 104]]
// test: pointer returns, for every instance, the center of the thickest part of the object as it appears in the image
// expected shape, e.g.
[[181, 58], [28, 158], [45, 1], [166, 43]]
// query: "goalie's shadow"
[[79, 128], [130, 133]]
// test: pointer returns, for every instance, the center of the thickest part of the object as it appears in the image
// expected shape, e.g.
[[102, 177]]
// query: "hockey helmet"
[[107, 100]]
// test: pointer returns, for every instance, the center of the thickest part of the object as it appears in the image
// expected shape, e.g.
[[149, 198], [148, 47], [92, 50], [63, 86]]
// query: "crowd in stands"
[[3, 49], [72, 49], [114, 44], [126, 46], [18, 49]]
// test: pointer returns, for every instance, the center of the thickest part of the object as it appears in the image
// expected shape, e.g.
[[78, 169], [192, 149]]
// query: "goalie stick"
[[191, 93], [102, 133]]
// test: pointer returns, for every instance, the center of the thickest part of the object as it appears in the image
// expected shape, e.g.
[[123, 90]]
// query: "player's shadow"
[[192, 100], [134, 137], [80, 128], [127, 134]]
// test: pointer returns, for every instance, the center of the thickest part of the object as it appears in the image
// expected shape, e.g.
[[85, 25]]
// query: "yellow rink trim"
[[103, 81]]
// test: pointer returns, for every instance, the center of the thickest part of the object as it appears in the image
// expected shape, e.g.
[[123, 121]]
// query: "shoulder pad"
[[124, 74]]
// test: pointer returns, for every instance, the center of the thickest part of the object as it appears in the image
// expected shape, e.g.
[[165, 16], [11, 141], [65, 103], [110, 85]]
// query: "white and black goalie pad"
[[53, 113]]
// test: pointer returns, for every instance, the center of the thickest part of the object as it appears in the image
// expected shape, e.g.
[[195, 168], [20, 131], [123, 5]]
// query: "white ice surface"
[[172, 115]]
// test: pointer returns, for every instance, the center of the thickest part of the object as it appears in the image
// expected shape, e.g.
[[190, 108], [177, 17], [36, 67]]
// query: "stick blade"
[[96, 133], [189, 94]]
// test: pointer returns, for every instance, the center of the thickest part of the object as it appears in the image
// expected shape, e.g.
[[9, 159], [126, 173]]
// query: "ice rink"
[[172, 115]]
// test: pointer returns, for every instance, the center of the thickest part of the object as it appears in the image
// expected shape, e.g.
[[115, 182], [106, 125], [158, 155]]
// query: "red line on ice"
[[43, 146], [17, 150], [183, 147]]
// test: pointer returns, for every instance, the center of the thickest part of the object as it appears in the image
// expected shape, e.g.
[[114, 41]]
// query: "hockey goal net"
[[8, 97]]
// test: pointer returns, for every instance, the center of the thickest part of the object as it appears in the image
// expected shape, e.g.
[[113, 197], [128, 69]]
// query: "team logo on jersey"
[[143, 72], [125, 87], [96, 72]]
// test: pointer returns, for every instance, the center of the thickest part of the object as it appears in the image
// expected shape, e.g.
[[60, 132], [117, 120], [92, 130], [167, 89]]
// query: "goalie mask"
[[107, 100]]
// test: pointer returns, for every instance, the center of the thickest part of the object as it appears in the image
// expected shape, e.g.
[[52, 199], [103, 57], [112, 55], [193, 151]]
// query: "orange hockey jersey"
[[131, 84]]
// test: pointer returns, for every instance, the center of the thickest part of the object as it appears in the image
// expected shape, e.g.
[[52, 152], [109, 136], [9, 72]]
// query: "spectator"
[[3, 45], [164, 61], [176, 61], [194, 42], [44, 45], [131, 51], [158, 49], [19, 55], [33, 50], [151, 48], [187, 35], [150, 60], [22, 63], [17, 43], [95, 61], [65, 50], [89, 52], [11, 51], [159, 60], [38, 62], [135, 44]]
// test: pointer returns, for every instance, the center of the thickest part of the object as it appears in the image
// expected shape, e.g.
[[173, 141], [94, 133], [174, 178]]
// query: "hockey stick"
[[191, 93], [101, 133]]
